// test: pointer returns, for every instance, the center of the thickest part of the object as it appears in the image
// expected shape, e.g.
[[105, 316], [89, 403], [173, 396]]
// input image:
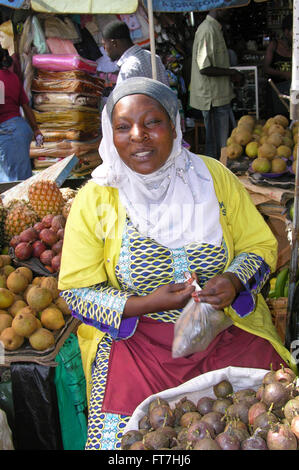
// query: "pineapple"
[[45, 198], [68, 193], [67, 207], [18, 218]]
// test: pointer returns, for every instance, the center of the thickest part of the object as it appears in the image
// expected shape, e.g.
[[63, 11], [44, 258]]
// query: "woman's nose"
[[138, 133]]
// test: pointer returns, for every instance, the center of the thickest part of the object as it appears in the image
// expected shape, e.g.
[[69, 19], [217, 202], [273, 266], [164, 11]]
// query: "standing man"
[[211, 88], [132, 60]]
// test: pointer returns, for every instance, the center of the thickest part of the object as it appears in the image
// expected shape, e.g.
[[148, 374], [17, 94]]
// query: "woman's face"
[[143, 133]]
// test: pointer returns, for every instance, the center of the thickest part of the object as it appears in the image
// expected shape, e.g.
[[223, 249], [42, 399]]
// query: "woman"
[[278, 65], [151, 212], [15, 132]]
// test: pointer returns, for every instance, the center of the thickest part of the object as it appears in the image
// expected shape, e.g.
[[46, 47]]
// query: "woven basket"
[[278, 309]]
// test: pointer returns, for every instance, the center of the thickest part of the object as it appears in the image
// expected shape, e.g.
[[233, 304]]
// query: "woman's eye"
[[121, 127], [152, 122]]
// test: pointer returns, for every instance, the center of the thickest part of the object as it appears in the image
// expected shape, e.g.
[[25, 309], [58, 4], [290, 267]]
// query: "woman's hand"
[[39, 138], [170, 297], [167, 297], [220, 291]]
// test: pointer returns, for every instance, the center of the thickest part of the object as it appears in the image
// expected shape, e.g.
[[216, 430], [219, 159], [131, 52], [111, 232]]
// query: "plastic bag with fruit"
[[197, 326]]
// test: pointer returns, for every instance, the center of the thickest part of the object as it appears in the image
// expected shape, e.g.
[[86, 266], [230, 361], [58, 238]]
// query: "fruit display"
[[261, 418], [268, 144], [34, 227], [31, 310]]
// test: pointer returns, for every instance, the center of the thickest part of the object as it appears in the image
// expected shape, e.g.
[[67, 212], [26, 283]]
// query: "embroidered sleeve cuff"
[[253, 273], [102, 307]]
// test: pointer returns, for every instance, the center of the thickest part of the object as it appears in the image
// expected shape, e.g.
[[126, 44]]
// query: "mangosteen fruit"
[[227, 441], [205, 405], [281, 437], [207, 443], [223, 389], [275, 394], [161, 415], [215, 420], [129, 438], [221, 404], [190, 417]]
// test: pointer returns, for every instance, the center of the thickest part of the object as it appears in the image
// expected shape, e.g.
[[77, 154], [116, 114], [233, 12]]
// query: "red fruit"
[[38, 248], [29, 235], [39, 226], [15, 241], [58, 222], [60, 233], [46, 257], [255, 410], [47, 220], [284, 375], [48, 236], [280, 437], [259, 392], [57, 247], [23, 250], [295, 426], [275, 394], [55, 263]]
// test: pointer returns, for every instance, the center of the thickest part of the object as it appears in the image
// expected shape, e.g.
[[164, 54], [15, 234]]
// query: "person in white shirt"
[[132, 60]]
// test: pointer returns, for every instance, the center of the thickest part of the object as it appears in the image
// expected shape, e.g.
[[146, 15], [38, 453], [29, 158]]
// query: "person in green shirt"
[[211, 89]]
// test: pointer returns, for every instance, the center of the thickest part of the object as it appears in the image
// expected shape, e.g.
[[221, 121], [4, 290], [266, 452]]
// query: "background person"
[[132, 60], [131, 234], [278, 66], [15, 132], [211, 89]]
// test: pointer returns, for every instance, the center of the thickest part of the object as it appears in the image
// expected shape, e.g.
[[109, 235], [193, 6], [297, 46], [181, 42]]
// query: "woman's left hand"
[[220, 291], [39, 138]]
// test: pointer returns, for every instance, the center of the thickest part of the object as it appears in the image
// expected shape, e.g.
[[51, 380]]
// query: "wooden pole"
[[152, 38], [292, 321]]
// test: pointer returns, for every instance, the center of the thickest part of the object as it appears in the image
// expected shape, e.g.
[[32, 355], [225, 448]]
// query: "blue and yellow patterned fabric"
[[143, 266]]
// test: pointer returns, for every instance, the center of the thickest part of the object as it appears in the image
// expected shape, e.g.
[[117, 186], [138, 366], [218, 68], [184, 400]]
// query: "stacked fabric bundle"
[[58, 62], [66, 105]]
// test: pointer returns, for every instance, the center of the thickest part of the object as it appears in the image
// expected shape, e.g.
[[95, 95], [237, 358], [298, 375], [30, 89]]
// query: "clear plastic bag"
[[197, 326]]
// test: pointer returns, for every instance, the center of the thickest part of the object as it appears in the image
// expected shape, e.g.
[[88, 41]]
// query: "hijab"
[[175, 205]]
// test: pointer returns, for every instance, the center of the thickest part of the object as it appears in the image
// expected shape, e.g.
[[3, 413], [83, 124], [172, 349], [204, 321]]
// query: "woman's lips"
[[142, 155]]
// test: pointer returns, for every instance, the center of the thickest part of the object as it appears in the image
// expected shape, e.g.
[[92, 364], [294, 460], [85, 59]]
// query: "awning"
[[195, 5], [15, 3], [112, 7]]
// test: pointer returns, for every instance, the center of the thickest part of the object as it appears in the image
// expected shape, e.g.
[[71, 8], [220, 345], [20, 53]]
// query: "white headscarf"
[[174, 205]]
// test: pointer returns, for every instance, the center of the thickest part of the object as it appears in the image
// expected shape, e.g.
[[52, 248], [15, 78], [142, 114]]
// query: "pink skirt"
[[142, 365]]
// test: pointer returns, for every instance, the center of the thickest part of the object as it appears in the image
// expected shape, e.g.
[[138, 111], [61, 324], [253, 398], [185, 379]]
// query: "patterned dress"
[[143, 266]]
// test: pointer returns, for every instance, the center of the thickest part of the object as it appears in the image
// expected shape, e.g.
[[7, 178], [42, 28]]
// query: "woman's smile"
[[142, 154]]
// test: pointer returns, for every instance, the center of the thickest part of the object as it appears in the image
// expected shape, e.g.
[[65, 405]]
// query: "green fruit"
[[286, 289], [281, 281], [292, 212]]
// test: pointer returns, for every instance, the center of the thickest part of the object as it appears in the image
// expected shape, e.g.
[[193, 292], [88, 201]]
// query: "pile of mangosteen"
[[248, 419]]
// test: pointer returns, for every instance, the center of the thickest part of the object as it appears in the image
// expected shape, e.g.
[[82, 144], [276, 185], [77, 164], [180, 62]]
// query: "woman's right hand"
[[166, 297], [170, 297]]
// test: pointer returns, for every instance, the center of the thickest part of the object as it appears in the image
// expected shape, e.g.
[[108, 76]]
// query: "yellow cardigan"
[[93, 237]]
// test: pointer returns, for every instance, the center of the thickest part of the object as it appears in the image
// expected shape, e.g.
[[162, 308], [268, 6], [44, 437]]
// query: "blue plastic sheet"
[[194, 5]]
